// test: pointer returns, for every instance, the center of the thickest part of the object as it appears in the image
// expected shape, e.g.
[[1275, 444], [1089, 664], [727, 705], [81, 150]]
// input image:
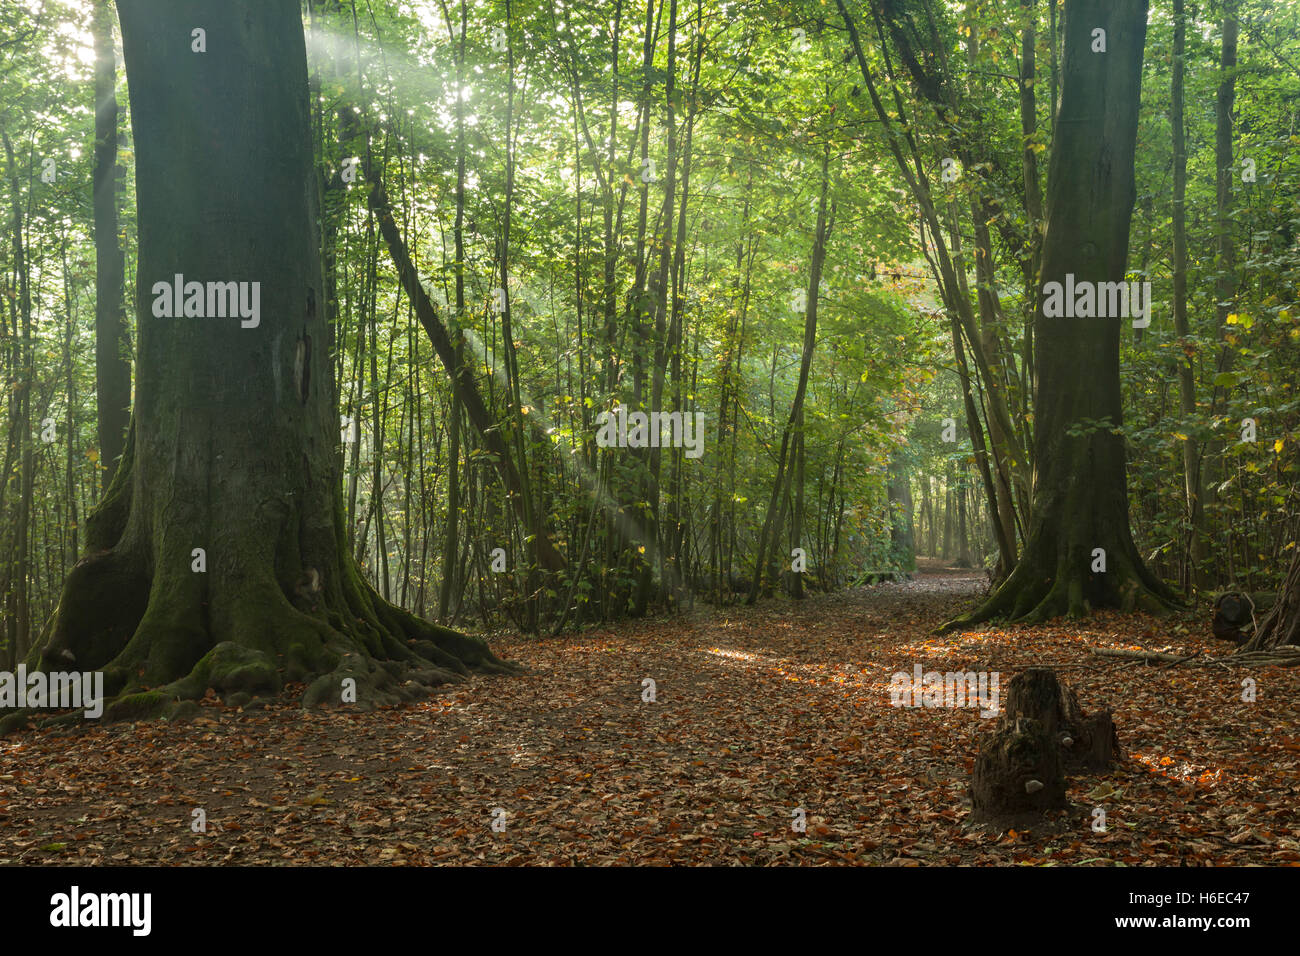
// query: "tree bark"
[[902, 534], [1081, 492], [112, 338], [1020, 770], [1018, 775], [18, 597], [232, 447], [1281, 625], [451, 539], [1183, 355], [1225, 285]]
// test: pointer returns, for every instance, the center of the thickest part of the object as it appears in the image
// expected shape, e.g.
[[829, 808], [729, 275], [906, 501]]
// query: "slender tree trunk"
[[1029, 171], [518, 427], [451, 539], [1194, 554], [641, 315], [19, 596], [796, 536], [676, 560], [927, 521], [112, 341], [70, 385], [780, 484], [461, 374], [658, 293], [963, 542], [1225, 285], [948, 516]]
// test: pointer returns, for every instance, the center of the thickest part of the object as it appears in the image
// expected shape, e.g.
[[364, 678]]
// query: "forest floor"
[[757, 712]]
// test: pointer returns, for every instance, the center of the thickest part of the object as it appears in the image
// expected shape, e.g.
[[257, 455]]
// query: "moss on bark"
[[1069, 587], [1080, 495], [218, 557], [174, 652]]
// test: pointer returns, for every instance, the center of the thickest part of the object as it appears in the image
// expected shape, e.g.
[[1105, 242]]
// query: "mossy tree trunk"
[[233, 438], [1080, 490]]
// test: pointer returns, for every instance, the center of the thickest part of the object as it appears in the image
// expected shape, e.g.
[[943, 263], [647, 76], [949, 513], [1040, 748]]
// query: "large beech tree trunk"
[[1080, 489], [232, 446]]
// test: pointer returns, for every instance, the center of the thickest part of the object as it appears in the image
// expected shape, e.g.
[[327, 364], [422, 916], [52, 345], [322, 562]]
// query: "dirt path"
[[758, 712]]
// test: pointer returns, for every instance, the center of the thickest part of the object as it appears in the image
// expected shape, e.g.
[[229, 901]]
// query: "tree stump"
[[1018, 772], [1086, 740], [1233, 614], [1020, 769]]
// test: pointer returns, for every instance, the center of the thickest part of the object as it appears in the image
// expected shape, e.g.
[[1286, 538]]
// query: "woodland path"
[[758, 711]]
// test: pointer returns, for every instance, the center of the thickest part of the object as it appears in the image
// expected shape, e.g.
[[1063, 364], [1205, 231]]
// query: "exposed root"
[[168, 640], [1026, 597]]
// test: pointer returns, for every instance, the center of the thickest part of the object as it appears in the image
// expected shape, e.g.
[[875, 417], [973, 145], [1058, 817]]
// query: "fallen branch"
[[1283, 656], [1183, 660], [1148, 656]]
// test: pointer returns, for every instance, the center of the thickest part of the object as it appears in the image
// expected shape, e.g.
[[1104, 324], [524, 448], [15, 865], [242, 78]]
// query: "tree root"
[[1027, 597], [168, 640]]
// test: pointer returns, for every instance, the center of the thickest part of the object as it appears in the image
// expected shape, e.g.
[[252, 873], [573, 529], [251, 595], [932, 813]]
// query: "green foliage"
[[763, 90]]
